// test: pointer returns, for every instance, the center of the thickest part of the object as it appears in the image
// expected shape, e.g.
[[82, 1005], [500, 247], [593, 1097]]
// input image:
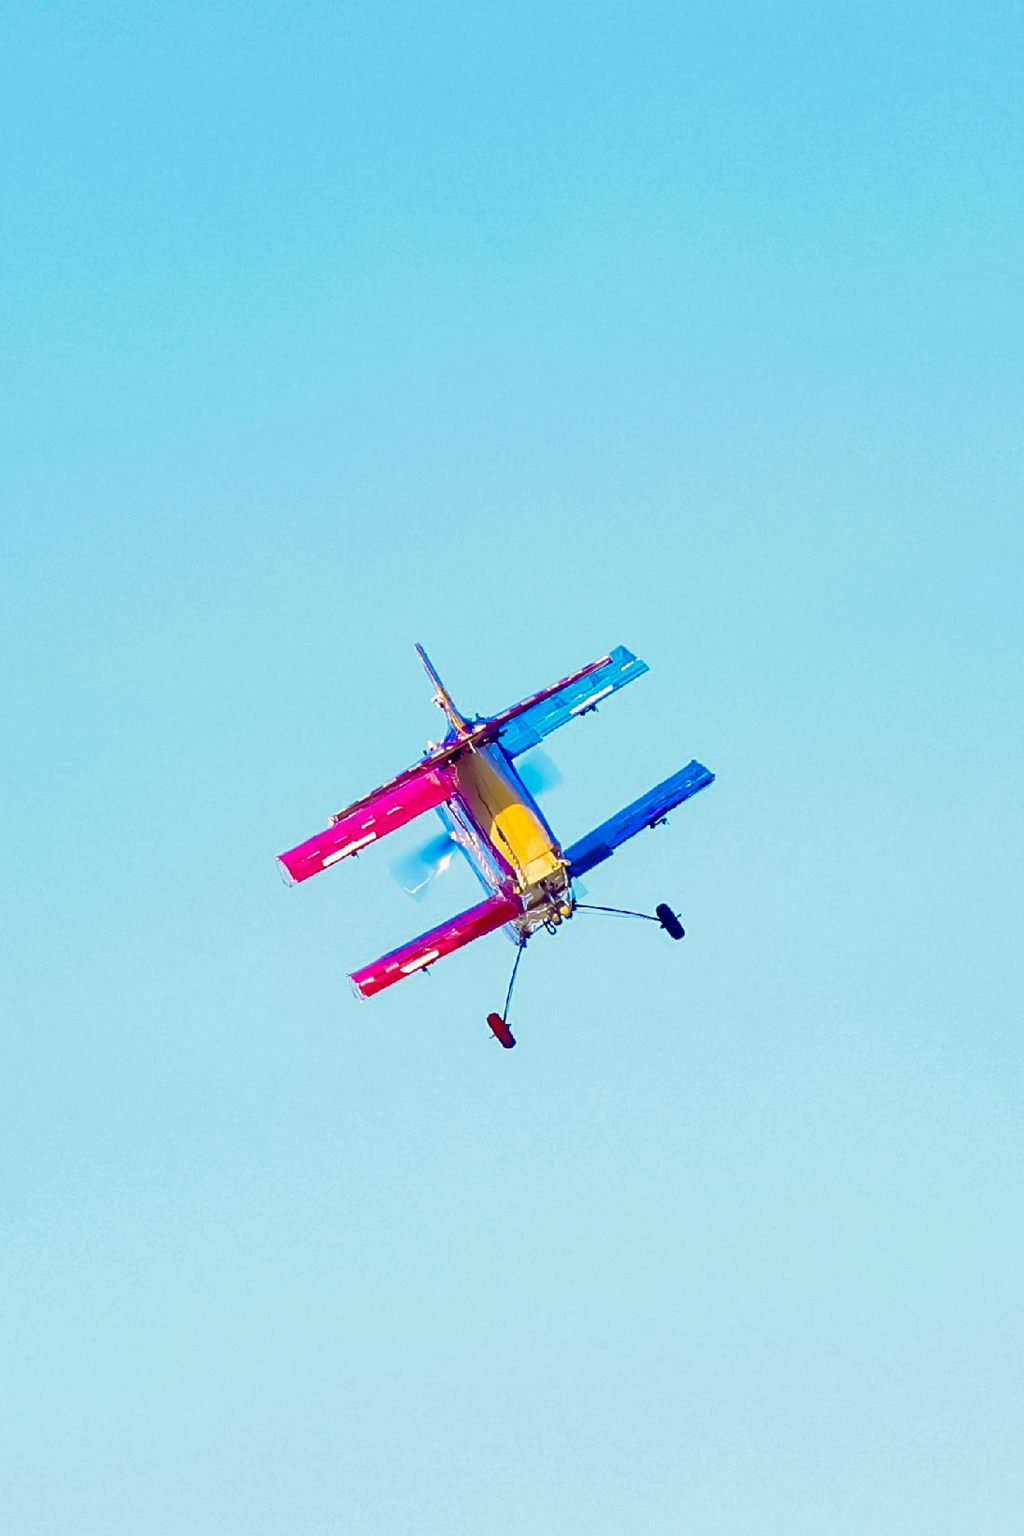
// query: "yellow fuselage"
[[501, 811]]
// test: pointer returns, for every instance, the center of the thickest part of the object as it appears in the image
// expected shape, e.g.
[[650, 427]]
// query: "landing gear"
[[663, 915], [496, 1021]]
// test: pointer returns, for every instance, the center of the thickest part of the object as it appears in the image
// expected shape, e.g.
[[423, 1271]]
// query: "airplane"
[[471, 780]]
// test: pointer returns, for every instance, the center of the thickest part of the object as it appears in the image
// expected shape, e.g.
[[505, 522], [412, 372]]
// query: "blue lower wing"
[[577, 698], [645, 812]]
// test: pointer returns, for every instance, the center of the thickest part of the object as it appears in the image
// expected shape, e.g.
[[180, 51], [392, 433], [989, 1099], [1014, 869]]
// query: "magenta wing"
[[373, 817], [415, 956]]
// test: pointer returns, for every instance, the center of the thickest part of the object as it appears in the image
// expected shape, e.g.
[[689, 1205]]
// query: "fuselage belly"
[[498, 825]]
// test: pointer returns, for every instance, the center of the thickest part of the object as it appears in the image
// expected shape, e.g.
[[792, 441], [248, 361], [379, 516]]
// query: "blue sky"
[[523, 332]]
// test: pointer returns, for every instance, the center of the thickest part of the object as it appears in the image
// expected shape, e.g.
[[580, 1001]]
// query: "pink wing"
[[457, 931], [369, 819]]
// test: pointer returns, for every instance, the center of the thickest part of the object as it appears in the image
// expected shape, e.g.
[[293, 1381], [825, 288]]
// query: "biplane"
[[471, 780]]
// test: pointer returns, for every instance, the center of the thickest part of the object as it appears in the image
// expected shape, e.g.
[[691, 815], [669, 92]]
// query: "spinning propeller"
[[538, 772], [415, 871]]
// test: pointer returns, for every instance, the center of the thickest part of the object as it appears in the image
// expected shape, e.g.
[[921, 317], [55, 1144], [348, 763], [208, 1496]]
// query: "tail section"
[[442, 698]]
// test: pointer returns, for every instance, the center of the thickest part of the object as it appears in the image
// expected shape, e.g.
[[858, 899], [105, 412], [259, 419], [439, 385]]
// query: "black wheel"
[[668, 920]]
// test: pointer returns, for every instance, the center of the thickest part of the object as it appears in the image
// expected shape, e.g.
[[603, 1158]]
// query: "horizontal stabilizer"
[[493, 913], [529, 722], [645, 812], [374, 817]]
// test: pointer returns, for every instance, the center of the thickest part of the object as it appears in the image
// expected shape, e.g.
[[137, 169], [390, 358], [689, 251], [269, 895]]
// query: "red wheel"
[[500, 1030]]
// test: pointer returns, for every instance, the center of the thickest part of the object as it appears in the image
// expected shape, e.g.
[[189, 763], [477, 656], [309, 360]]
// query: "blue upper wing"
[[577, 698], [650, 808]]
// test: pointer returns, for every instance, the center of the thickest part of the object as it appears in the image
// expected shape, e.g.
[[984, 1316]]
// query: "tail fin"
[[442, 698]]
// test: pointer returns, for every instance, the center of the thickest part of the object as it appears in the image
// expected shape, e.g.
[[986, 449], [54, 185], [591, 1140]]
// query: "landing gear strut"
[[496, 1021], [663, 915]]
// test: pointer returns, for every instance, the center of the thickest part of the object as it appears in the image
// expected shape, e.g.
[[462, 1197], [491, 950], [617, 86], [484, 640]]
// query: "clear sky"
[[523, 331]]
